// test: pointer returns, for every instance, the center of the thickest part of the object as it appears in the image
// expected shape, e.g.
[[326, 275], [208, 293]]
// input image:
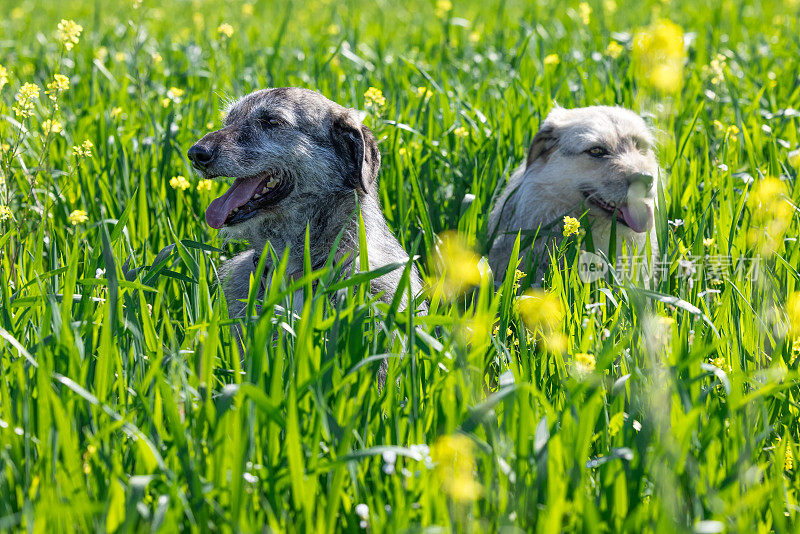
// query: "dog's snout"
[[644, 178], [200, 155]]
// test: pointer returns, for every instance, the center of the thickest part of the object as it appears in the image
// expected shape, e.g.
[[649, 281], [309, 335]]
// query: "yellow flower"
[[443, 7], [115, 112], [793, 313], [179, 182], [68, 33], [51, 126], [5, 213], [474, 36], [247, 9], [658, 55], [455, 467], [585, 12], [571, 226], [708, 242], [770, 214], [461, 132], [84, 150], [732, 132], [333, 29], [3, 76], [374, 98], [793, 157], [717, 68], [552, 59], [225, 30], [59, 84], [456, 264], [203, 185], [25, 97], [610, 6], [175, 94], [540, 310], [78, 217], [614, 50], [718, 362], [119, 57], [584, 363], [424, 92], [157, 58]]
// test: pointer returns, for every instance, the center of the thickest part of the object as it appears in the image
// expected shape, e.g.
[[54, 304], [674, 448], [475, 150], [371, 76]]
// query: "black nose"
[[200, 155], [644, 178]]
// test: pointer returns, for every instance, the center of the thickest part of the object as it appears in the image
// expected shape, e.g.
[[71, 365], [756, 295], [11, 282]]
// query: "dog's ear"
[[357, 146], [543, 144]]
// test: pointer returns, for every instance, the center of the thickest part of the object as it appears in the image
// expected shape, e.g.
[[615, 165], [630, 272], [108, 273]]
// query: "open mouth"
[[638, 217], [246, 197]]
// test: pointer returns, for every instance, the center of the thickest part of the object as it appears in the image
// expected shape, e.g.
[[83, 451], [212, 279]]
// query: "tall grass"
[[125, 403]]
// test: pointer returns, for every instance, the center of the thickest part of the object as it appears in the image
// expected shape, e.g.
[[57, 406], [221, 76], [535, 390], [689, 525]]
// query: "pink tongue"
[[639, 216], [239, 193]]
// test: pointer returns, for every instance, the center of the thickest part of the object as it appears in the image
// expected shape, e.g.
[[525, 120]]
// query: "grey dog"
[[298, 159]]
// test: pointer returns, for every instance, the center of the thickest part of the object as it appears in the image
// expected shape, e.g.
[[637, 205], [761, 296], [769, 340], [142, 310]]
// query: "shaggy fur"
[[325, 163], [597, 160]]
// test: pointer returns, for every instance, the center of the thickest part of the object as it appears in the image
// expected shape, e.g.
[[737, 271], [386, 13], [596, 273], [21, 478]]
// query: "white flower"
[[362, 511]]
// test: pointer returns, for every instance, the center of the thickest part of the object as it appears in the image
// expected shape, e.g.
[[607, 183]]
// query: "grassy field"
[[123, 402]]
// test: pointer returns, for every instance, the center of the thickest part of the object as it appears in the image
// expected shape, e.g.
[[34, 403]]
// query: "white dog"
[[597, 160]]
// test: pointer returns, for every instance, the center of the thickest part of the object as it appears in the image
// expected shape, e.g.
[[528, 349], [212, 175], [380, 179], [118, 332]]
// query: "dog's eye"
[[272, 121], [597, 152]]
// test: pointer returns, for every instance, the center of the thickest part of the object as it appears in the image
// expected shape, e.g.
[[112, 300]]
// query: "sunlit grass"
[[125, 405]]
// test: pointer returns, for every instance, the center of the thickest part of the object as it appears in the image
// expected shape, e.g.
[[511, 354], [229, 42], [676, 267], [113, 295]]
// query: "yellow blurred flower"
[[51, 126], [25, 97], [614, 50], [247, 9], [59, 84], [115, 112], [225, 30], [175, 94], [84, 150], [119, 57], [584, 363], [552, 59], [334, 29], [708, 242], [3, 76], [456, 264], [443, 7], [732, 132], [717, 69], [5, 213], [540, 311], [101, 54], [474, 36], [610, 6], [157, 58], [179, 182], [658, 55], [424, 92], [78, 217], [770, 213], [585, 12], [461, 132], [68, 33], [571, 226], [454, 467], [373, 98], [204, 185]]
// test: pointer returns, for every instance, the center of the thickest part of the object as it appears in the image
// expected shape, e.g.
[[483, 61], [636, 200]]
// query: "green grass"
[[123, 403]]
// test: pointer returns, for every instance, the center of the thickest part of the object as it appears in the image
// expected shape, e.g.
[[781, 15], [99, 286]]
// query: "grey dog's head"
[[289, 149], [599, 157]]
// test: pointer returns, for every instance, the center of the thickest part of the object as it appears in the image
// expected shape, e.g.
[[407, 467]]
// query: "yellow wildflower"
[[770, 213], [474, 36], [708, 242], [374, 98], [5, 213], [571, 226], [424, 92], [51, 126], [3, 76], [333, 29], [119, 57], [456, 264], [443, 7], [25, 97], [552, 59], [460, 132], [68, 33], [175, 94], [614, 50], [540, 310], [732, 132], [157, 58], [225, 30], [78, 217], [84, 150], [455, 467], [204, 185], [59, 84], [179, 182], [584, 363], [247, 9], [585, 12], [610, 6], [658, 55], [115, 112]]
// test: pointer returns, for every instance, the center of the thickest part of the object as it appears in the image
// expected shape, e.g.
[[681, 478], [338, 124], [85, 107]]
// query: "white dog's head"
[[598, 159]]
